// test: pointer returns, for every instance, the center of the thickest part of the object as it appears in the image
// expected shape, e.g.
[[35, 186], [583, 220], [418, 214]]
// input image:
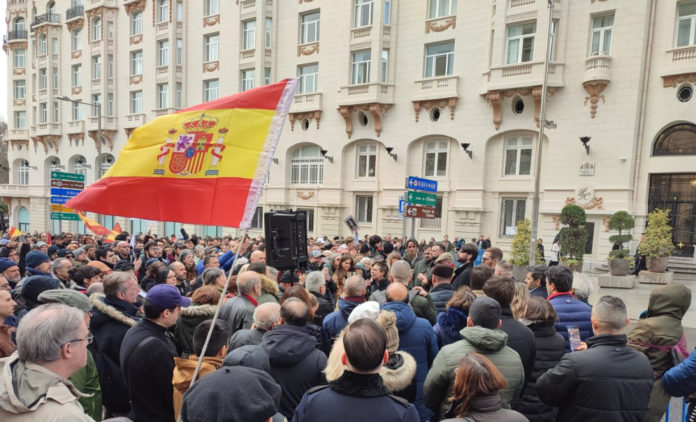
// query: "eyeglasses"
[[88, 339], [485, 259]]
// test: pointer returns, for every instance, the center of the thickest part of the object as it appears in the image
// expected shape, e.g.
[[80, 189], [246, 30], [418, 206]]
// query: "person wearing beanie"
[[359, 393], [87, 378], [52, 252], [399, 372], [232, 394], [442, 289], [81, 257], [10, 270], [37, 263], [251, 356], [31, 289], [481, 335]]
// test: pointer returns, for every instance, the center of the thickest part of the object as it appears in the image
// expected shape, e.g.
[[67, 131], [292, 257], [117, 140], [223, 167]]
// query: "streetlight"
[[99, 117]]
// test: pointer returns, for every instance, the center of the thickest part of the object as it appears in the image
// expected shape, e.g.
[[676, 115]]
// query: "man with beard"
[[122, 250], [421, 274], [466, 256], [10, 270], [181, 283]]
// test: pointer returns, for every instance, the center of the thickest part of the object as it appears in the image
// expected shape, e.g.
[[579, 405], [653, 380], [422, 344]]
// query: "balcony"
[[598, 68], [436, 88], [366, 93], [306, 102], [520, 3], [43, 129], [74, 13], [76, 126], [360, 33], [679, 65], [46, 18], [135, 120], [17, 35], [522, 75], [24, 191], [15, 134]]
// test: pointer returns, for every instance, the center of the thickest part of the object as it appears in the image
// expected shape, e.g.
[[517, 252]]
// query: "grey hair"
[[314, 281], [610, 311], [183, 254], [210, 275], [44, 330], [582, 285], [116, 282], [58, 264], [354, 286], [272, 272], [266, 314], [367, 260], [198, 250], [245, 285]]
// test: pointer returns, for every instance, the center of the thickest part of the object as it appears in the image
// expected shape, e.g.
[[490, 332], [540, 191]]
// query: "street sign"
[[60, 199], [417, 183], [75, 177], [402, 207], [65, 192], [421, 198], [414, 211], [352, 224], [64, 216], [60, 208], [67, 184]]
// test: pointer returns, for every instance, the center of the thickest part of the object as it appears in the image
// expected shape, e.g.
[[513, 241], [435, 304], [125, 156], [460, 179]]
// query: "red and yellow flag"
[[14, 231], [206, 164], [98, 229]]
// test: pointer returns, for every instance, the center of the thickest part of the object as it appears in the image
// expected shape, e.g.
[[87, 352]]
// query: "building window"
[[179, 51], [520, 43], [76, 75], [163, 11], [170, 229], [385, 66], [136, 63], [76, 40], [512, 212], [109, 30], [602, 27], [162, 95], [518, 156], [43, 45], [367, 161], [43, 78], [309, 30], [248, 79], [310, 218], [76, 111], [96, 67], [257, 220], [20, 89], [363, 13], [110, 104], [18, 57], [23, 173], [212, 7], [266, 75], [179, 94], [54, 46], [361, 67], [210, 90], [179, 11], [307, 166], [678, 139], [96, 29], [18, 25], [269, 26], [435, 159], [80, 166], [211, 47], [136, 23], [308, 75], [104, 165], [686, 25], [440, 8], [363, 208], [387, 12], [96, 108], [248, 35], [43, 113], [20, 119], [439, 59], [54, 74], [163, 53], [136, 102], [55, 112], [110, 66]]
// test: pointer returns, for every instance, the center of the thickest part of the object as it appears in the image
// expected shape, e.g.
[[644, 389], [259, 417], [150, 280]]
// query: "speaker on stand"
[[286, 239]]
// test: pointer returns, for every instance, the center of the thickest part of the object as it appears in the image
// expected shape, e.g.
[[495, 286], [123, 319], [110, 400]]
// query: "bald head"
[[257, 256], [396, 292], [294, 312], [355, 286], [249, 283], [266, 316]]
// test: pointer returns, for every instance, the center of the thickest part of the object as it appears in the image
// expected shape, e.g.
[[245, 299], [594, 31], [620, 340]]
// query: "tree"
[[657, 242], [574, 237], [621, 220], [520, 244]]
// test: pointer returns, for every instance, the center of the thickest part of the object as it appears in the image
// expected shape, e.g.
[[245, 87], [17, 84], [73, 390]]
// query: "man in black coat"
[[296, 364], [466, 256], [536, 281], [147, 356], [520, 338], [316, 285], [608, 381], [442, 290]]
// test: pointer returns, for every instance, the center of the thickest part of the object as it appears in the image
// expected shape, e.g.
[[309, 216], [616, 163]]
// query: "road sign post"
[[421, 198], [65, 186], [415, 211]]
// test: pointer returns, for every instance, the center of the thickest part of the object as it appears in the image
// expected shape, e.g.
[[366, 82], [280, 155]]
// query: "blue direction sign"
[[417, 183], [402, 207], [60, 199], [65, 192]]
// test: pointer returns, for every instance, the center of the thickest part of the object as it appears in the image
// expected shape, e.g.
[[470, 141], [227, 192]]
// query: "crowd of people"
[[382, 329]]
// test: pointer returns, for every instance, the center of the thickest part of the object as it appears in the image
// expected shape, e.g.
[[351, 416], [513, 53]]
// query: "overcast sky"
[[3, 67]]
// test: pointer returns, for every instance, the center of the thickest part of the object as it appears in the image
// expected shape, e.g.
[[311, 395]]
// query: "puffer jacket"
[[183, 374], [336, 321], [550, 348], [520, 339], [489, 343], [681, 380], [571, 313], [441, 294], [655, 334], [416, 337], [607, 382], [269, 290], [449, 324], [188, 321], [30, 392]]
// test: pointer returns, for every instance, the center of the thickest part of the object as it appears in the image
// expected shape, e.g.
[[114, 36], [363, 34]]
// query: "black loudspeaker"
[[286, 239]]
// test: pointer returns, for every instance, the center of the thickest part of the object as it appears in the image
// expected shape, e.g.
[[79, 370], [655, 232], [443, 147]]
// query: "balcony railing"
[[598, 62], [18, 34], [45, 18], [74, 12]]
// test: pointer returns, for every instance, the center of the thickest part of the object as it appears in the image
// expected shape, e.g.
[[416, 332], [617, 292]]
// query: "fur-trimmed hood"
[[198, 310], [105, 312], [399, 372], [268, 285]]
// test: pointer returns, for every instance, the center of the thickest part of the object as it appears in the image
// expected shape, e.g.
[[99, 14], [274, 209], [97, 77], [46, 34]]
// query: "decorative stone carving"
[[594, 89], [439, 25], [211, 20], [305, 196], [74, 24], [19, 71], [76, 90], [596, 202], [376, 109], [211, 66], [605, 222], [676, 80], [494, 99], [310, 115], [307, 49], [536, 95], [134, 80], [77, 138], [20, 103], [556, 222], [45, 141], [305, 1], [76, 54], [20, 143], [134, 6], [108, 136], [135, 39], [128, 131], [440, 103]]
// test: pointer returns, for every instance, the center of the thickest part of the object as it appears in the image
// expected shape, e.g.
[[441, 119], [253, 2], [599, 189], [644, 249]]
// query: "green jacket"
[[269, 290], [489, 343], [87, 381]]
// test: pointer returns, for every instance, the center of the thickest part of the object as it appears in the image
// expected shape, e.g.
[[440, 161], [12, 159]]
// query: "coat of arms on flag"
[[189, 150]]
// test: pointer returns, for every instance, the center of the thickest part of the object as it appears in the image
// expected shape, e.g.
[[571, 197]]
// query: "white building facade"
[[388, 89]]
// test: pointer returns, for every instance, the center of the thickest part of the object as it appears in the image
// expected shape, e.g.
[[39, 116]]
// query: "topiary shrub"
[[621, 221], [574, 237], [657, 241]]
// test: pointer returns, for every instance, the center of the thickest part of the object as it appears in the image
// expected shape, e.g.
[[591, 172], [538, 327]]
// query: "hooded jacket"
[[489, 343], [183, 374], [269, 290], [416, 337], [488, 409], [30, 392], [296, 364], [449, 324], [336, 321], [188, 321]]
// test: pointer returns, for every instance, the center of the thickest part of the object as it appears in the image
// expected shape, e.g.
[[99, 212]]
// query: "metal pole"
[[99, 130], [540, 143]]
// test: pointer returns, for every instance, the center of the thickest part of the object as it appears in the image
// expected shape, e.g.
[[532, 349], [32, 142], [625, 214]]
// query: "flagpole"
[[217, 310]]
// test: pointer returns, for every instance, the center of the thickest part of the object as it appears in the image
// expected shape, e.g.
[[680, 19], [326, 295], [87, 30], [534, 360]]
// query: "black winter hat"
[[35, 285]]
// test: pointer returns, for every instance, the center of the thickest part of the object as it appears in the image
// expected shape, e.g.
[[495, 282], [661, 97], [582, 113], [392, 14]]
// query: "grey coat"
[[238, 312]]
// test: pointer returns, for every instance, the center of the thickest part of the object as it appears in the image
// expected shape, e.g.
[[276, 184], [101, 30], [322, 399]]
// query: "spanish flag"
[[14, 231], [206, 164]]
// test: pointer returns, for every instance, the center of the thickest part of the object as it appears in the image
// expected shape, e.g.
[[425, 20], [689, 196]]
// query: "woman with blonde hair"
[[392, 258], [519, 300]]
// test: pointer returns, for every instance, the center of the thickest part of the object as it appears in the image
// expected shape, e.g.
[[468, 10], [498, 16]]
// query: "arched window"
[[54, 164], [679, 139], [307, 166], [19, 24], [105, 164], [23, 219], [23, 172], [51, 8], [80, 166]]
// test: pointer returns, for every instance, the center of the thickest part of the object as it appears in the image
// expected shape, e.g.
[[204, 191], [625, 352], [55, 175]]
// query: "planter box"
[[648, 277], [617, 282]]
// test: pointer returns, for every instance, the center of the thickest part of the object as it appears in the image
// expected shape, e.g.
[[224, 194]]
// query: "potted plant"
[[657, 242], [574, 237], [519, 251], [620, 259]]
